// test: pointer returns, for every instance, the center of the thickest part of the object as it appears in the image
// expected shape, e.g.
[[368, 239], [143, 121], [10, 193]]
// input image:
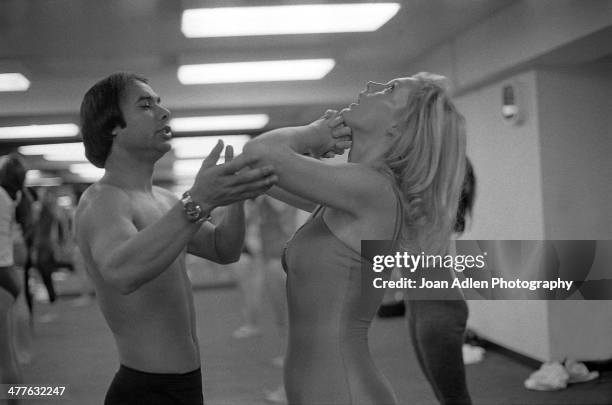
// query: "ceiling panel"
[[65, 46]]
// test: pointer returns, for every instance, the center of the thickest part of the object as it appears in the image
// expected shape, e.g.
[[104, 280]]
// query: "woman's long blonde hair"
[[428, 164]]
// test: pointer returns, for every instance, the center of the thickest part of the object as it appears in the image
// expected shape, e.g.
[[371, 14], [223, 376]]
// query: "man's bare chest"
[[148, 210]]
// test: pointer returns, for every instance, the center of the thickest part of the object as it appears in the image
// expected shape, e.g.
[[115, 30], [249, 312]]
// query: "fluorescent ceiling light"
[[39, 131], [280, 20], [57, 152], [200, 147], [219, 123], [13, 82], [35, 178], [259, 71]]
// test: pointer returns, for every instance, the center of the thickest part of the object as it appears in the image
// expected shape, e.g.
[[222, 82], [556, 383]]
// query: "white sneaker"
[[550, 377], [472, 354], [278, 396], [578, 372]]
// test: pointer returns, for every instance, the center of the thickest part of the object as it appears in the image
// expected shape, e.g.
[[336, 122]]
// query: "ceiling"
[[65, 46]]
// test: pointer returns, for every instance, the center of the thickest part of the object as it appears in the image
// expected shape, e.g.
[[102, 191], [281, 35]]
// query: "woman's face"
[[379, 106]]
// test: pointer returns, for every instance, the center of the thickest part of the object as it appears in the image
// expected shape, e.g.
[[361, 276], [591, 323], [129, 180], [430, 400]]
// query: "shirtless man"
[[134, 237]]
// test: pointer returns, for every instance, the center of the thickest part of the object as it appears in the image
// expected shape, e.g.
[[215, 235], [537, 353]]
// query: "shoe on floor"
[[578, 372], [550, 377], [278, 396], [472, 354]]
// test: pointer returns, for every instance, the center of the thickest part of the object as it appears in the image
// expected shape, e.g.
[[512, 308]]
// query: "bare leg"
[[23, 329], [10, 372], [250, 282], [275, 284]]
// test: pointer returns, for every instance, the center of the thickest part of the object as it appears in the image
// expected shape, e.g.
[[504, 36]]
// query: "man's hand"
[[333, 136], [235, 180]]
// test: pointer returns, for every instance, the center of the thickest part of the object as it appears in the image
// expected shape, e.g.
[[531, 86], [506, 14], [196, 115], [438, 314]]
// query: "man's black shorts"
[[133, 387]]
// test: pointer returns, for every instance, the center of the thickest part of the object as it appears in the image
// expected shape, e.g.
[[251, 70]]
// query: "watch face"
[[193, 211]]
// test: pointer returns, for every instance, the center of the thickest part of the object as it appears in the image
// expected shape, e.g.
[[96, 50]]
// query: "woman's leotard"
[[331, 305]]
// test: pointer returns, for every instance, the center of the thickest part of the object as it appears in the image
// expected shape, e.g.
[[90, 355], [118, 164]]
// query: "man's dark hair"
[[12, 174], [468, 194], [101, 113]]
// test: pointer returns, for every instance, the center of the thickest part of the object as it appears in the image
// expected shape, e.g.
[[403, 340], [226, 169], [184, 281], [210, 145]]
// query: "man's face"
[[146, 120]]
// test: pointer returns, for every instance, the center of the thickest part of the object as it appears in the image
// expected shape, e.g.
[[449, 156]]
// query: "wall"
[[507, 163], [547, 178], [540, 179], [574, 106], [575, 132], [517, 36], [509, 204]]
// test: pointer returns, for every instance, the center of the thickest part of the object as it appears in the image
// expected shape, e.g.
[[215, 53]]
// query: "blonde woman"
[[402, 182]]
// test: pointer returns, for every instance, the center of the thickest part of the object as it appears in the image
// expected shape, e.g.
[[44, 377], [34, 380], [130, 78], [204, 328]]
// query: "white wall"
[[575, 130], [541, 179], [548, 178], [511, 39], [524, 31], [508, 205], [575, 106], [507, 163]]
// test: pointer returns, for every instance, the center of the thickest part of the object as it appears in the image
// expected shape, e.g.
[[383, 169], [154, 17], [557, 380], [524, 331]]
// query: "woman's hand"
[[332, 136], [343, 136]]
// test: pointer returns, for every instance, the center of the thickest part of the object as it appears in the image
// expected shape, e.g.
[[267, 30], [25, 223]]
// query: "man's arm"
[[222, 243], [127, 257]]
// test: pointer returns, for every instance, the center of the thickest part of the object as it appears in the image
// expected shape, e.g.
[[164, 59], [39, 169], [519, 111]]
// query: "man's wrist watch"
[[193, 210]]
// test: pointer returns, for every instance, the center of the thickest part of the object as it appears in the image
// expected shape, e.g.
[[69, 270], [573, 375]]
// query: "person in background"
[[12, 177], [45, 241], [437, 327], [27, 216], [249, 277], [22, 229], [277, 222]]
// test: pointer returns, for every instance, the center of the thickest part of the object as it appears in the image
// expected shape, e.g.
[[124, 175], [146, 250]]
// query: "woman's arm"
[[348, 187], [291, 199]]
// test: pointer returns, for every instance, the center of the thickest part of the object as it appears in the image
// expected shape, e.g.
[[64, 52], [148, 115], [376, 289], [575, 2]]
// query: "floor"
[[77, 350]]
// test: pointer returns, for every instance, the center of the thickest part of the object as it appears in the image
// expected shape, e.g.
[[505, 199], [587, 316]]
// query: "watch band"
[[193, 210]]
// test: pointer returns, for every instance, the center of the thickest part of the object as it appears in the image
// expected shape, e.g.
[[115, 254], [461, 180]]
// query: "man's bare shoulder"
[[101, 199]]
